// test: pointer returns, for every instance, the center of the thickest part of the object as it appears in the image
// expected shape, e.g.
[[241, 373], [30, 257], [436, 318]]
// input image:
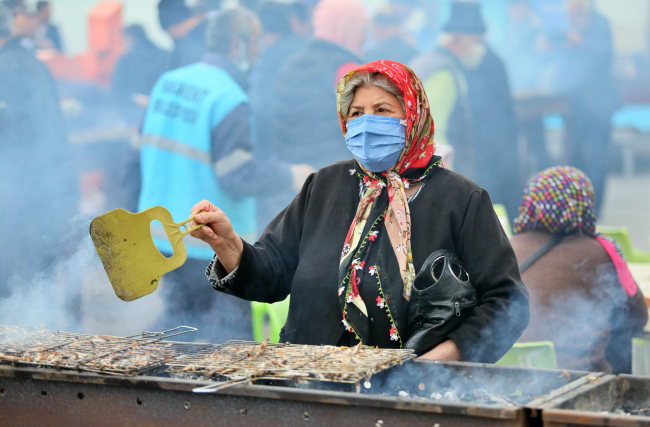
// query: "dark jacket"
[[578, 303], [52, 34], [36, 167], [494, 131], [263, 79], [305, 123], [234, 133], [299, 254], [137, 70]]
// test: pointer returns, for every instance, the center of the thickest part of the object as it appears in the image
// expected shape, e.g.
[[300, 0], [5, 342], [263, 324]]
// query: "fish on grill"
[[223, 365], [95, 353], [240, 361]]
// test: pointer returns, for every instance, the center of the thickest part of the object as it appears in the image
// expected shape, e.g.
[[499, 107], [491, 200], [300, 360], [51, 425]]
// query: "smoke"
[[74, 295], [483, 384], [52, 296]]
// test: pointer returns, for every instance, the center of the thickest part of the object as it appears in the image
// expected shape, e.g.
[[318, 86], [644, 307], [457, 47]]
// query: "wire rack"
[[238, 362], [16, 340], [95, 353]]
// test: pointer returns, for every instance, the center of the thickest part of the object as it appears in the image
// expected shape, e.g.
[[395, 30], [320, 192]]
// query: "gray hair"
[[6, 22], [228, 25], [367, 79]]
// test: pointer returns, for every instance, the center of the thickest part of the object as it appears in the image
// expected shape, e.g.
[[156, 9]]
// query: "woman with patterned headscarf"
[[582, 295], [363, 244]]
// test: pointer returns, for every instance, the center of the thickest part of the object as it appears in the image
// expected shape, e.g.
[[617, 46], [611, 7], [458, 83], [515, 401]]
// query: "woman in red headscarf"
[[361, 246]]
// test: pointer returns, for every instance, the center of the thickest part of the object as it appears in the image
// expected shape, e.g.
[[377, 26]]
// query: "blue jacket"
[[196, 144]]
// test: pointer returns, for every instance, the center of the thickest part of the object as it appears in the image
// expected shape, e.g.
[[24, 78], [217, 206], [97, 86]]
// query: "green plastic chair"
[[277, 317], [502, 214], [622, 236], [641, 357], [531, 355]]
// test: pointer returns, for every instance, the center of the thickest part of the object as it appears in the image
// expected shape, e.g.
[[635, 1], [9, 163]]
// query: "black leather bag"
[[441, 299]]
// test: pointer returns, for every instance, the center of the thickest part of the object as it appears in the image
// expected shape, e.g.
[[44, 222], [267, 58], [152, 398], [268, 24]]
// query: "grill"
[[238, 362], [276, 385], [132, 355], [610, 400], [18, 340]]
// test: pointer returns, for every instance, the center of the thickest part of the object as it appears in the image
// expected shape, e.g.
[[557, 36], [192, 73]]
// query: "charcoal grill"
[[37, 396], [388, 390], [606, 401]]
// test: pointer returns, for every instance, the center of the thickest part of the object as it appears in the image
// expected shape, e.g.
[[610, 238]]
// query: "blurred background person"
[[492, 111], [137, 70], [15, 6], [306, 128], [428, 32], [390, 38], [420, 19], [185, 28], [523, 51], [197, 144], [582, 295], [36, 168], [100, 129], [472, 104], [583, 58], [48, 36], [444, 80], [286, 28], [25, 28]]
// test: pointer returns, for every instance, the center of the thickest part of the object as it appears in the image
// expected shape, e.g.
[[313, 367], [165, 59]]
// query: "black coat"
[[494, 128], [138, 70], [52, 34], [299, 252], [305, 122], [36, 167], [263, 78]]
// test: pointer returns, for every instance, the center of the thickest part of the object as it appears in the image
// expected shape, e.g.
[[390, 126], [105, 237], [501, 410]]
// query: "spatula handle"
[[183, 224]]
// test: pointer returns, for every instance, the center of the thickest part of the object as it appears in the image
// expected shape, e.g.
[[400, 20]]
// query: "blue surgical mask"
[[376, 141]]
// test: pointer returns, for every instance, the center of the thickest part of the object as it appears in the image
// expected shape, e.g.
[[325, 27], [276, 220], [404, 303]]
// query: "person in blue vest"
[[197, 142]]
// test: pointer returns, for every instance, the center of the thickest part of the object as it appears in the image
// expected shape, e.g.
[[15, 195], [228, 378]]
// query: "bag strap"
[[540, 252]]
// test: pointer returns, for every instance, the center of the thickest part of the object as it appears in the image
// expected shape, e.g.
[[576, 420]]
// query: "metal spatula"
[[133, 263]]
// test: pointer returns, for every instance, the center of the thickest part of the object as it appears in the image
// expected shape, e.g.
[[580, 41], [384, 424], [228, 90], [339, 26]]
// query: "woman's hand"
[[448, 350], [218, 233]]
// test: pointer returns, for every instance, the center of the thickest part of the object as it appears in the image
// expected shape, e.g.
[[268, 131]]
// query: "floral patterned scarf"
[[561, 200], [416, 162]]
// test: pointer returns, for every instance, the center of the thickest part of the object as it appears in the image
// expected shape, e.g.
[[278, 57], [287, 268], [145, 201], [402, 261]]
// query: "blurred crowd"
[[475, 65], [242, 110]]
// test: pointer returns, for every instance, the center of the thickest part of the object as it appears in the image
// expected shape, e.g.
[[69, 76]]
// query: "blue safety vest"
[[185, 105]]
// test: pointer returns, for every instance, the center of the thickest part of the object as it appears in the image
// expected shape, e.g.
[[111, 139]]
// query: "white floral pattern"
[[380, 302]]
